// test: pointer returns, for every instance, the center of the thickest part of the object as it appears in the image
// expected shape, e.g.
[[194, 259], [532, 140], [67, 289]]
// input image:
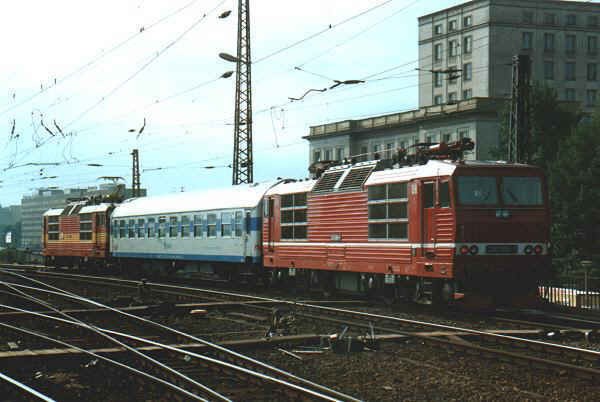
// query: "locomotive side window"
[[131, 228], [173, 226], [477, 190], [294, 216], [388, 211], [140, 228], [522, 191], [150, 230], [444, 194], [211, 230], [197, 225], [53, 232], [85, 227], [226, 224], [185, 226]]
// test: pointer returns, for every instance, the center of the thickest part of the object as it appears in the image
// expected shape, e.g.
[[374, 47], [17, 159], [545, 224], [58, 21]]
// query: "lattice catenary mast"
[[136, 187], [242, 136], [518, 135]]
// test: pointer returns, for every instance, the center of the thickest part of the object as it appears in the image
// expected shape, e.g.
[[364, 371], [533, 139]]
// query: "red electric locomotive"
[[436, 231]]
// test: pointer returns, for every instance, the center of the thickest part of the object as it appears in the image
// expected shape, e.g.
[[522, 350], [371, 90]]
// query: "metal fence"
[[577, 291]]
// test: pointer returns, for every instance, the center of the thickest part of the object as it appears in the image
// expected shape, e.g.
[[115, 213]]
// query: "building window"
[[467, 94], [162, 223], [437, 79], [571, 19], [53, 228], [592, 45], [122, 231], [438, 99], [467, 21], [388, 211], [592, 21], [140, 228], [528, 17], [389, 150], [316, 155], [548, 42], [570, 71], [239, 223], [437, 52], [226, 224], [375, 151], [549, 19], [468, 71], [452, 98], [446, 137], [527, 40], [85, 227], [467, 44], [294, 216], [185, 226], [592, 72], [151, 228], [438, 30], [571, 44], [570, 94], [327, 154], [173, 226], [452, 75], [452, 25], [211, 227], [463, 133], [591, 98], [452, 48], [339, 154], [197, 225], [548, 70]]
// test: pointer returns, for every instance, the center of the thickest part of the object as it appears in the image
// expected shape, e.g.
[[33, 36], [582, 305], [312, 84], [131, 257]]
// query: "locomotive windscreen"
[[514, 190]]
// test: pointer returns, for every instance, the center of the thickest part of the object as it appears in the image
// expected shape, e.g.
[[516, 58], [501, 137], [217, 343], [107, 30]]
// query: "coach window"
[[226, 224], [150, 229], [173, 226], [211, 229], [162, 222], [444, 195], [85, 227], [185, 226], [53, 232], [140, 228], [197, 225], [388, 211], [239, 223], [122, 232], [294, 216], [131, 229]]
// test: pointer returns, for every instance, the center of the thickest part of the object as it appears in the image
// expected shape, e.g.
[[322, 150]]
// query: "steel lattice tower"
[[136, 188], [242, 136], [518, 135]]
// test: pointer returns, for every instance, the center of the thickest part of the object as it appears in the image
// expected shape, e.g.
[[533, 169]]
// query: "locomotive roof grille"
[[327, 182], [355, 178]]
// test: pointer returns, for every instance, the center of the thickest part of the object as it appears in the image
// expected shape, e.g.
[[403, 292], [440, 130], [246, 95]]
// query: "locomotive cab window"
[[85, 227], [428, 195], [477, 190], [53, 228], [388, 211], [444, 194], [294, 218], [522, 191]]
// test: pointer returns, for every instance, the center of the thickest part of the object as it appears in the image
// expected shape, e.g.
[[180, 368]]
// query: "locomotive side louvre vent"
[[327, 182], [355, 178]]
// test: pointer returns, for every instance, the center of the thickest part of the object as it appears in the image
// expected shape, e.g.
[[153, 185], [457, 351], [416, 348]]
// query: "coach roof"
[[240, 196]]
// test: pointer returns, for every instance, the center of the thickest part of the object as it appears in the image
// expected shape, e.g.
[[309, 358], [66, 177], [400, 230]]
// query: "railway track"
[[578, 361]]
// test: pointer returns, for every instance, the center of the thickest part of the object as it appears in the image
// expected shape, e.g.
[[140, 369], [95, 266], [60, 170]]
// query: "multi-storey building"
[[33, 207], [465, 56], [479, 38]]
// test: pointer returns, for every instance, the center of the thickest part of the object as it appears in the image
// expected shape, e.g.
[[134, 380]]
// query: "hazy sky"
[[98, 97]]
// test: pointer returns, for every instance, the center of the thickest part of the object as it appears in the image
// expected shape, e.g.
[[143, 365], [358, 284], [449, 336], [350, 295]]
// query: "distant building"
[[33, 206], [465, 77], [480, 38], [10, 221]]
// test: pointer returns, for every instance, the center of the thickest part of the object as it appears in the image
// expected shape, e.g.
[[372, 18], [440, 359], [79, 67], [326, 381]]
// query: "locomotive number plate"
[[501, 249]]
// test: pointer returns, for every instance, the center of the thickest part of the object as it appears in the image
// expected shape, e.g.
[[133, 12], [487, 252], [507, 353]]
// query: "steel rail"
[[106, 359], [131, 349], [60, 292], [26, 388]]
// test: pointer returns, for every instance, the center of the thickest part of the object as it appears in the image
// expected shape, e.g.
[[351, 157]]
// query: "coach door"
[[428, 212]]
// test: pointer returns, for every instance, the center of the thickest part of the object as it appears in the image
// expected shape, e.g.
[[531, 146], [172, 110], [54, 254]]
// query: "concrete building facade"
[[480, 37], [33, 207]]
